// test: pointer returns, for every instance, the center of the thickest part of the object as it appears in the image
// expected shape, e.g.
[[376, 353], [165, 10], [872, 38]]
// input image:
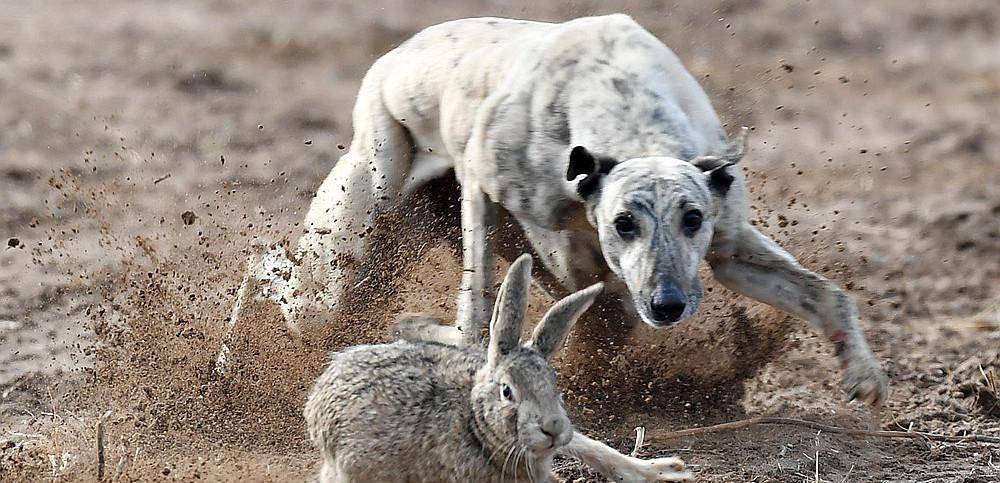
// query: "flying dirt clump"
[[188, 217]]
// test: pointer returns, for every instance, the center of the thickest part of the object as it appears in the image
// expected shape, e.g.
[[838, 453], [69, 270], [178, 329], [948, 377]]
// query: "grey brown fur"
[[428, 412], [502, 104]]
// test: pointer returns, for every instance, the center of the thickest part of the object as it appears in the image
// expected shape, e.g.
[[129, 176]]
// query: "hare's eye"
[[507, 393]]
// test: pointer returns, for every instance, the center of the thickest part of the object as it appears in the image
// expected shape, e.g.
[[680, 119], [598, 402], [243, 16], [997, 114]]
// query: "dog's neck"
[[576, 218]]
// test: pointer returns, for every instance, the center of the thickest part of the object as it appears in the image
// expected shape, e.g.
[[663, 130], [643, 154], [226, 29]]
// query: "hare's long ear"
[[551, 332], [509, 310]]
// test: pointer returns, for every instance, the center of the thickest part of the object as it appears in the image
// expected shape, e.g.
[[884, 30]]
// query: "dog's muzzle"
[[667, 303]]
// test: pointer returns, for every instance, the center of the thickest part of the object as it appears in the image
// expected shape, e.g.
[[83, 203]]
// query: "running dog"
[[596, 139]]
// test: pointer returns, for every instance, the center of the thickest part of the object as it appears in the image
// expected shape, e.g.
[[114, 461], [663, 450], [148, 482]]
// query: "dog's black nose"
[[668, 304]]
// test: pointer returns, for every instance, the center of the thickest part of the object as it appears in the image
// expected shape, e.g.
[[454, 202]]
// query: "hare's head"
[[517, 405]]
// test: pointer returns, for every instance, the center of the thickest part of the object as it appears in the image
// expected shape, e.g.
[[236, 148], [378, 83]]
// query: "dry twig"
[[745, 423], [100, 444], [640, 438]]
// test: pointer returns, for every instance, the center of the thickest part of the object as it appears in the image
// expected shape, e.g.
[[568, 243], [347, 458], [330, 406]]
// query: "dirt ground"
[[146, 147]]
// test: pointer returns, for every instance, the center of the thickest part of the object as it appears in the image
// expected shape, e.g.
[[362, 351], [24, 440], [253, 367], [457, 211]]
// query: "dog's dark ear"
[[716, 167], [585, 170], [580, 162]]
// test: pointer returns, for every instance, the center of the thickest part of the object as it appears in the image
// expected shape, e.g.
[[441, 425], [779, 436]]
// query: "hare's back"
[[387, 404]]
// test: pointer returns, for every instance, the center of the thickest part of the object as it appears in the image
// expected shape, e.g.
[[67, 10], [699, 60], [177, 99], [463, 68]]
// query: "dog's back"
[[603, 82], [445, 70]]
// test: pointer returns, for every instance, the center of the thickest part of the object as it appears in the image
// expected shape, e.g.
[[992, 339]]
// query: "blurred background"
[[145, 146]]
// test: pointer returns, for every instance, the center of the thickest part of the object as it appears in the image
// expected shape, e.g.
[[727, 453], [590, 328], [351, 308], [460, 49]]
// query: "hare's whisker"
[[510, 453], [530, 462]]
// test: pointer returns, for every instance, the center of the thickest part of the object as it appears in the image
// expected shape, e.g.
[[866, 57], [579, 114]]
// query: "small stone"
[[13, 243], [958, 407], [188, 217]]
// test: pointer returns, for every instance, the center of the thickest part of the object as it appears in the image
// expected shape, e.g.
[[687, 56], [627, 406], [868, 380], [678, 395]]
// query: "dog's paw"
[[657, 469], [865, 381]]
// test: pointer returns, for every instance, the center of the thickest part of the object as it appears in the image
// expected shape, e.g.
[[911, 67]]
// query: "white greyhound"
[[595, 138]]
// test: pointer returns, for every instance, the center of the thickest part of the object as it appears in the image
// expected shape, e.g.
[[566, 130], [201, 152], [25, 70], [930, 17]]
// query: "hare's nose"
[[553, 427]]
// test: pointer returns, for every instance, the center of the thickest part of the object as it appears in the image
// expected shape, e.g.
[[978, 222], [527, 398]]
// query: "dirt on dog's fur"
[[149, 148]]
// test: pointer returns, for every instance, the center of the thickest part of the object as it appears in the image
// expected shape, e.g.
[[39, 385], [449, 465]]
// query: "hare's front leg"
[[475, 301], [621, 468]]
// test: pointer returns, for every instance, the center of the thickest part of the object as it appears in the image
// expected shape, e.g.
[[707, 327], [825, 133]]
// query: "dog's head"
[[655, 218]]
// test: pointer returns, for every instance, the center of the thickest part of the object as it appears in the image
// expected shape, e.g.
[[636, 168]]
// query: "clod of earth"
[[988, 394], [188, 217]]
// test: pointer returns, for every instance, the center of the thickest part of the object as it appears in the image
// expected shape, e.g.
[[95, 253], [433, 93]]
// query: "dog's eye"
[[507, 393], [691, 221], [626, 226]]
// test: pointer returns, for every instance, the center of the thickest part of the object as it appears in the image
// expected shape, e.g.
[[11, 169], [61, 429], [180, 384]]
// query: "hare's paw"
[[669, 469], [657, 469]]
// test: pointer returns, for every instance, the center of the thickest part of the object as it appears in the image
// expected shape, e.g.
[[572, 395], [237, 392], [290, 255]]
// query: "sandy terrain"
[[146, 147]]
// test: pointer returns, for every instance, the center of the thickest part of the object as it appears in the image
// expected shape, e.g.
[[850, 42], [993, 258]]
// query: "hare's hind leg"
[[331, 472], [426, 328]]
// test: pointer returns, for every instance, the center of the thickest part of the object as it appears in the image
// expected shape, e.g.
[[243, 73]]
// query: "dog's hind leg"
[[339, 227], [750, 263], [360, 192], [270, 276]]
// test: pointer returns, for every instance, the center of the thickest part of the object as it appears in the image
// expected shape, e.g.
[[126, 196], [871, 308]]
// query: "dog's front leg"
[[754, 265], [475, 301]]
